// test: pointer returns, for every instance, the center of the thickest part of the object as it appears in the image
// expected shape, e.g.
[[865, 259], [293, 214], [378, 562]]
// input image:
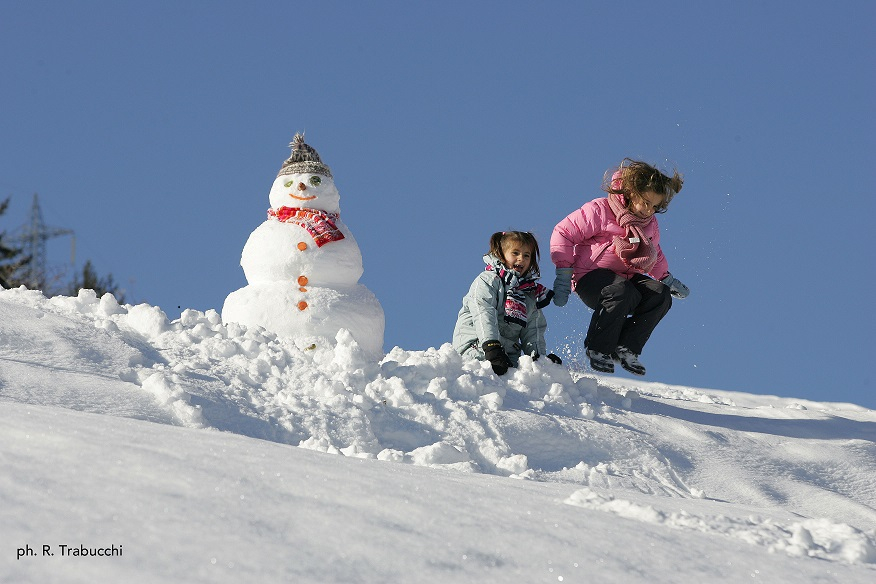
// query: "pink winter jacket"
[[583, 241]]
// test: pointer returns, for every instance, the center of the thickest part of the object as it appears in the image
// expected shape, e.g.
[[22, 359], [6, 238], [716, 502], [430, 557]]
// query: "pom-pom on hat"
[[304, 158]]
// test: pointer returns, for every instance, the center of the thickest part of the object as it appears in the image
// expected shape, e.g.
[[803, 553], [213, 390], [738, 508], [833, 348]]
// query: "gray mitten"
[[676, 288], [562, 286]]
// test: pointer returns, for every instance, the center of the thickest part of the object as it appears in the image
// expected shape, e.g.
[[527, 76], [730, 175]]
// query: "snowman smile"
[[294, 196]]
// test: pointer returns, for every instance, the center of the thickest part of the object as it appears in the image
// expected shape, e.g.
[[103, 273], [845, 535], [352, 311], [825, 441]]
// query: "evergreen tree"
[[91, 281], [14, 272], [11, 260]]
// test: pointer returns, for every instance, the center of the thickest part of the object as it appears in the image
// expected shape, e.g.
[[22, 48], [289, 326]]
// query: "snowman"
[[303, 265]]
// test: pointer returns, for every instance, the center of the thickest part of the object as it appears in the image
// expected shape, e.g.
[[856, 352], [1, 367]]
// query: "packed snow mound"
[[611, 439]]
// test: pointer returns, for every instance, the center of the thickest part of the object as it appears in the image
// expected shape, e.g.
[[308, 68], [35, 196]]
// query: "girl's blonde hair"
[[524, 238], [634, 177]]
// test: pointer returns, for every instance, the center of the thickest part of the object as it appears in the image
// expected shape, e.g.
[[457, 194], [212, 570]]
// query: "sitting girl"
[[501, 315]]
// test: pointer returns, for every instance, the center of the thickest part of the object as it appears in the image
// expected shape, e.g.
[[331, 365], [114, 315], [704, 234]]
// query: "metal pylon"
[[33, 241]]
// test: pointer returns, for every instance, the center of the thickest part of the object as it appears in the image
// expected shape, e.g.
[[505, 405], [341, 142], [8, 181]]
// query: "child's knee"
[[665, 299], [666, 296], [474, 352], [621, 292]]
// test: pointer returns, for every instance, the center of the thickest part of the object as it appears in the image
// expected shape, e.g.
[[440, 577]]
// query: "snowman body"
[[293, 254], [303, 267]]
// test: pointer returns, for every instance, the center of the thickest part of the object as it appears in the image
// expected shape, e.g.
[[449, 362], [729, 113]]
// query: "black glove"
[[551, 357], [495, 354]]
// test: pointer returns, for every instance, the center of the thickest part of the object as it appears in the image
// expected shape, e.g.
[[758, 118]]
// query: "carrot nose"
[[302, 187]]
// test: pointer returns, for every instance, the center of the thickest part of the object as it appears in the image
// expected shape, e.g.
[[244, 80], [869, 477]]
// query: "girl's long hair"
[[634, 177]]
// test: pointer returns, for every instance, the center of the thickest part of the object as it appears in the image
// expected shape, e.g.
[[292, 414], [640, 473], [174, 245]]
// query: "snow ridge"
[[540, 422]]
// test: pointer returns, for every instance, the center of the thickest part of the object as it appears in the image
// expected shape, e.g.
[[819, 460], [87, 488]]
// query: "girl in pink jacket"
[[609, 251]]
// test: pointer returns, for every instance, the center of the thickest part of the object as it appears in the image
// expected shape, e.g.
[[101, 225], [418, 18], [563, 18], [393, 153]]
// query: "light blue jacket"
[[481, 319]]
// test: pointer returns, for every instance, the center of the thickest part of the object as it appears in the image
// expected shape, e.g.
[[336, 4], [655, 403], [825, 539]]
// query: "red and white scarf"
[[516, 288], [318, 223], [635, 248]]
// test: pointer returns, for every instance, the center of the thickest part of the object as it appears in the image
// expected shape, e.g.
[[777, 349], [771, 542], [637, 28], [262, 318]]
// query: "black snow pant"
[[625, 312]]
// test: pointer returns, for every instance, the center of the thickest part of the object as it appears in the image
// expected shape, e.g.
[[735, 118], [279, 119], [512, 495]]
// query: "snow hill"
[[135, 449]]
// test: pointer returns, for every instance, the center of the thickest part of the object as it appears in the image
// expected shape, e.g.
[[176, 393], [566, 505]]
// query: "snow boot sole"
[[600, 362], [634, 368]]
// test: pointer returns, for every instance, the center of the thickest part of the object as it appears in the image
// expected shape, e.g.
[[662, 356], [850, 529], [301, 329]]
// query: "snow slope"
[[175, 442]]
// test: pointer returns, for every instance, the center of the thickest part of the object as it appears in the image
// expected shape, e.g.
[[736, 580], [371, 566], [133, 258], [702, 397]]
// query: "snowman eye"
[[289, 184], [315, 181]]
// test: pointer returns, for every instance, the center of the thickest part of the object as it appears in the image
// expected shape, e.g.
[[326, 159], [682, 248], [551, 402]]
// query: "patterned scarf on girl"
[[318, 223], [516, 288]]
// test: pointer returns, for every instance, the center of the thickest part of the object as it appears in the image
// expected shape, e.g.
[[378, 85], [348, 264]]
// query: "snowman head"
[[304, 181], [306, 190]]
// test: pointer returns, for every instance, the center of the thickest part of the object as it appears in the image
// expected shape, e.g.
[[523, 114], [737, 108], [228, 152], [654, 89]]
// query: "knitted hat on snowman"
[[304, 158]]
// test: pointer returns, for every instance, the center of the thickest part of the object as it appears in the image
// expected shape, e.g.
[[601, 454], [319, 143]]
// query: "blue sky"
[[154, 131]]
